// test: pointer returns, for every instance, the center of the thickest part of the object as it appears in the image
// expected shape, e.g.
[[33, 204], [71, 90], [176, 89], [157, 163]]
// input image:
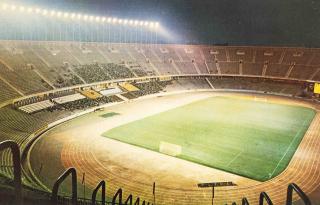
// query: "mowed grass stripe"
[[248, 138]]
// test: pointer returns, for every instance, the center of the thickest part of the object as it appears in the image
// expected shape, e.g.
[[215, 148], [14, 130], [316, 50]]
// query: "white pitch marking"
[[289, 147], [235, 158]]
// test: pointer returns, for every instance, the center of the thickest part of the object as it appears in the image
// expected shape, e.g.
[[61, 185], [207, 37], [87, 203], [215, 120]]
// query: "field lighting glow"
[[73, 16]]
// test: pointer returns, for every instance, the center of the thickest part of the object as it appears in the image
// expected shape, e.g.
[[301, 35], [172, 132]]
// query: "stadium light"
[[44, 12], [13, 7], [4, 6], [30, 10], [52, 12], [21, 8], [58, 14]]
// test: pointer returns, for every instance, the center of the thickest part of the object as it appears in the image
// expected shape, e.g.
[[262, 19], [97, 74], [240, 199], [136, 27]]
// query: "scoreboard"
[[316, 88]]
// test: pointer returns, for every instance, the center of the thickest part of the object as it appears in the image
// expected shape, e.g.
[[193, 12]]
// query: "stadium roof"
[[235, 22]]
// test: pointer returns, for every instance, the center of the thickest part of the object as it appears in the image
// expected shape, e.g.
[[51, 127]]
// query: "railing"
[[292, 187], [101, 185], [13, 146], [117, 199], [301, 194], [264, 196], [55, 189]]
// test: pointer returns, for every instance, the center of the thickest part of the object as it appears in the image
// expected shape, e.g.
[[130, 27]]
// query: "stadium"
[[113, 108]]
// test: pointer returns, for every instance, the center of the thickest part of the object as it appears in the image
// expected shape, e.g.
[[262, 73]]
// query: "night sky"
[[235, 22]]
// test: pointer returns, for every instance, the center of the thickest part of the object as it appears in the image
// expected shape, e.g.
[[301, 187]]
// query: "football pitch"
[[245, 137]]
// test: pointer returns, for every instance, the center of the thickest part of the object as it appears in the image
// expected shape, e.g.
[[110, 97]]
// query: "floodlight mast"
[[53, 13], [215, 184], [66, 25]]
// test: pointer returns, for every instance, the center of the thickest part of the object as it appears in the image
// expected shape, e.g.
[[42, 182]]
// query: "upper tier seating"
[[92, 73], [6, 92], [303, 72], [28, 67], [229, 68], [117, 71], [271, 55], [277, 70], [298, 56], [252, 68], [244, 54], [26, 81]]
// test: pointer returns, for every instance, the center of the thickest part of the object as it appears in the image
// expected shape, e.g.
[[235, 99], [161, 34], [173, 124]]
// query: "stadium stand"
[[85, 103], [17, 126], [25, 80], [303, 72], [129, 87], [252, 68], [145, 88], [244, 54], [229, 68], [34, 107], [7, 93], [298, 56], [187, 84], [220, 53], [317, 76], [91, 73], [91, 94], [277, 70], [111, 91], [68, 98], [270, 55], [117, 71], [139, 72], [50, 81], [187, 67], [212, 67]]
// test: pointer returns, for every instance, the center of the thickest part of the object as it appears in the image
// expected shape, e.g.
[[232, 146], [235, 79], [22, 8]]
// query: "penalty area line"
[[235, 158]]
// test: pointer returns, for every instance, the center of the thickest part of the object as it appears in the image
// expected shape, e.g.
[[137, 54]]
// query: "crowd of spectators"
[[66, 78], [117, 71], [147, 88], [102, 72], [91, 73]]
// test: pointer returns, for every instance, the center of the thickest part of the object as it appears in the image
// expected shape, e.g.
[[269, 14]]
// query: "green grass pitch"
[[249, 138]]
